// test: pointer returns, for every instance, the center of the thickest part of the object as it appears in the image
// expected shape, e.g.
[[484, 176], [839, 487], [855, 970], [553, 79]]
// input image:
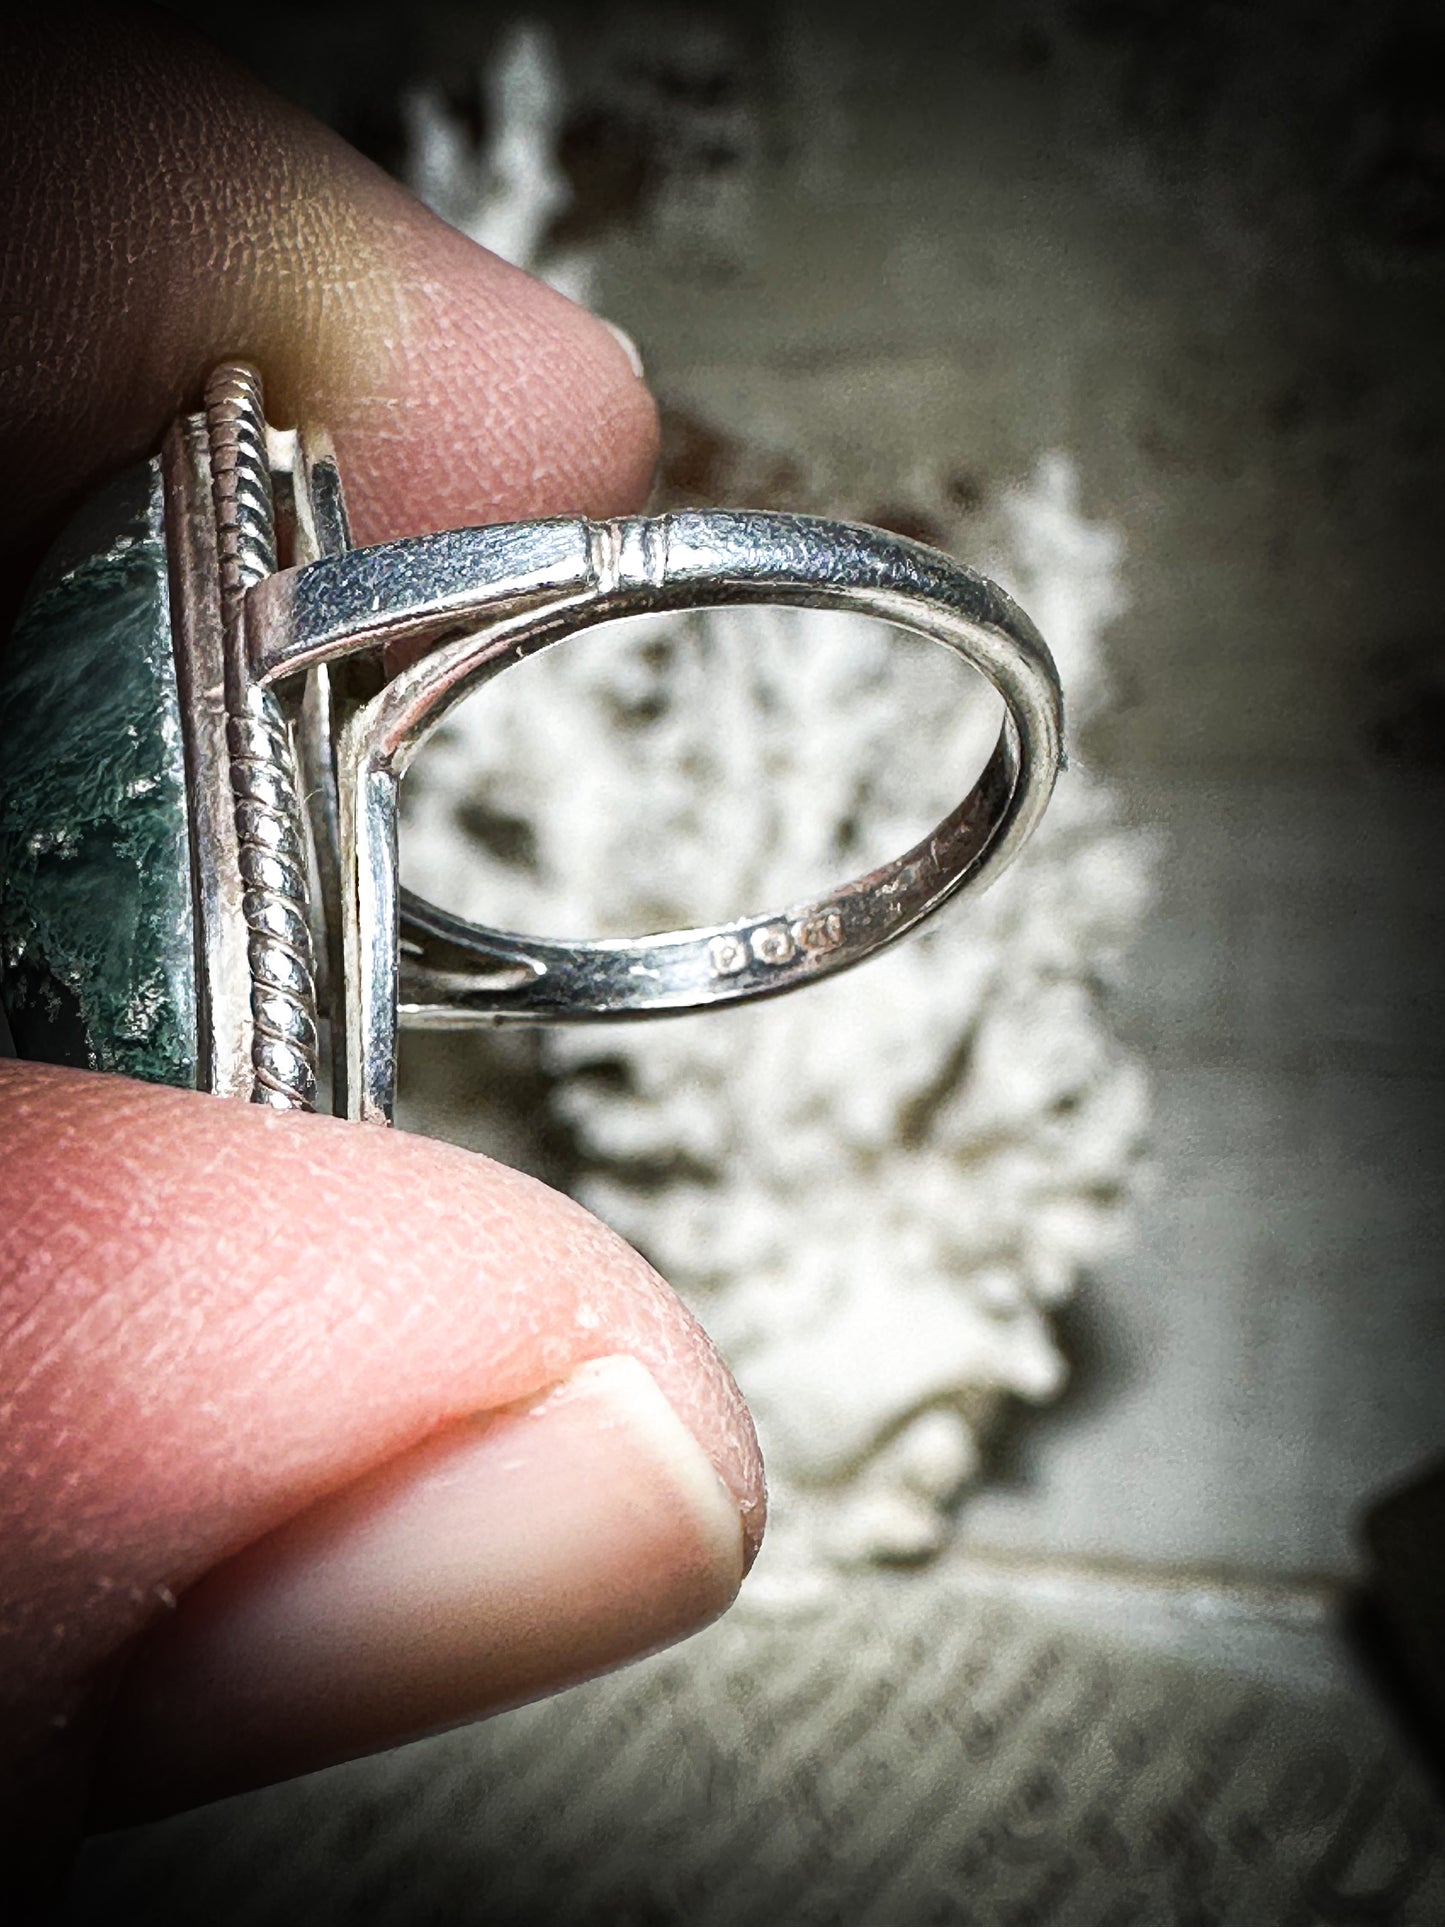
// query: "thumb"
[[366, 1434], [405, 1436]]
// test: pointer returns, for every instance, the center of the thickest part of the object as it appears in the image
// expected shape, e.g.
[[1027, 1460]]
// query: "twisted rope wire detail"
[[269, 823]]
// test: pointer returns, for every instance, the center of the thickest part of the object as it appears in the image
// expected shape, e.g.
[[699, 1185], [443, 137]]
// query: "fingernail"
[[508, 1556], [628, 346]]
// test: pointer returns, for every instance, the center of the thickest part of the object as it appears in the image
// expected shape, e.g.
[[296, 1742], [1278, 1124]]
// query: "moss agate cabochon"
[[97, 930]]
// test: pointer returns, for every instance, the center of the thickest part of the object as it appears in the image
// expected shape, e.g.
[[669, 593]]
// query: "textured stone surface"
[[97, 957]]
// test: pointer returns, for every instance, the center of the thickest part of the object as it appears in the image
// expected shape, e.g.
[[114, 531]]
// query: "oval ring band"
[[284, 695]]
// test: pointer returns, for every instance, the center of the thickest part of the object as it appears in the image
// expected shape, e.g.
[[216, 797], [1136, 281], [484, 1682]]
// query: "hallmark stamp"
[[822, 932], [773, 943], [729, 955]]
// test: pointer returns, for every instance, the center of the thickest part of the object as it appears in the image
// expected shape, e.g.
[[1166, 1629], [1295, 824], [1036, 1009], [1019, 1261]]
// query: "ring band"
[[282, 695]]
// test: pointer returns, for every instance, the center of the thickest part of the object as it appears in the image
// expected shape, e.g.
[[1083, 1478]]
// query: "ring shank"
[[488, 598], [455, 973]]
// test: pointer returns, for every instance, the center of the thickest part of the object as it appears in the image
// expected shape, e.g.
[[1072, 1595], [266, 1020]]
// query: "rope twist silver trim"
[[270, 825]]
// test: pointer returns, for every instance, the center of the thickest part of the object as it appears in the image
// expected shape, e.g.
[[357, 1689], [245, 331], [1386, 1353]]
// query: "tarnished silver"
[[301, 651]]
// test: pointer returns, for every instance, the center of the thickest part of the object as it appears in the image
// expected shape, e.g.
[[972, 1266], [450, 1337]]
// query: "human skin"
[[315, 1436]]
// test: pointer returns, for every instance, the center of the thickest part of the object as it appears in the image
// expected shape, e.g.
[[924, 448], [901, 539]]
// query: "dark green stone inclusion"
[[97, 935]]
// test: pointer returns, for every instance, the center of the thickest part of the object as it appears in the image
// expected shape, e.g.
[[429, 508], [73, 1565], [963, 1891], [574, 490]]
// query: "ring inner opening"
[[685, 769]]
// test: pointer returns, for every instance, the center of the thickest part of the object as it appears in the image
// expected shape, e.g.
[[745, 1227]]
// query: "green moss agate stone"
[[97, 934]]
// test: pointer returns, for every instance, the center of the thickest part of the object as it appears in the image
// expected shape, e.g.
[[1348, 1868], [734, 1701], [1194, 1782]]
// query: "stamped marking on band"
[[729, 955], [772, 943], [819, 933], [777, 943]]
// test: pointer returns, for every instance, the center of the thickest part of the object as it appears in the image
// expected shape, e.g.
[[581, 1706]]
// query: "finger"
[[513, 1554], [163, 211], [263, 1348]]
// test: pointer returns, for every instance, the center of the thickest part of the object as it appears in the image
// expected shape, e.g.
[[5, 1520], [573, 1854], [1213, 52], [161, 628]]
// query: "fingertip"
[[506, 1557], [220, 1315], [492, 397], [174, 213]]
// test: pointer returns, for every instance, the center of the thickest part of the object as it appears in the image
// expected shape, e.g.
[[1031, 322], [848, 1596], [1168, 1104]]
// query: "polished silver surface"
[[305, 645], [489, 598], [223, 970], [322, 528]]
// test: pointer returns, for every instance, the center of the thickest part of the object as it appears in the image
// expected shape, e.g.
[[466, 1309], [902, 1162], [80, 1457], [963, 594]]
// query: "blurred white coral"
[[506, 193], [873, 1192]]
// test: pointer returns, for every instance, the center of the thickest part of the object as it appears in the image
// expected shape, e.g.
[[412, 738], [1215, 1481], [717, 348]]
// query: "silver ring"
[[295, 740]]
